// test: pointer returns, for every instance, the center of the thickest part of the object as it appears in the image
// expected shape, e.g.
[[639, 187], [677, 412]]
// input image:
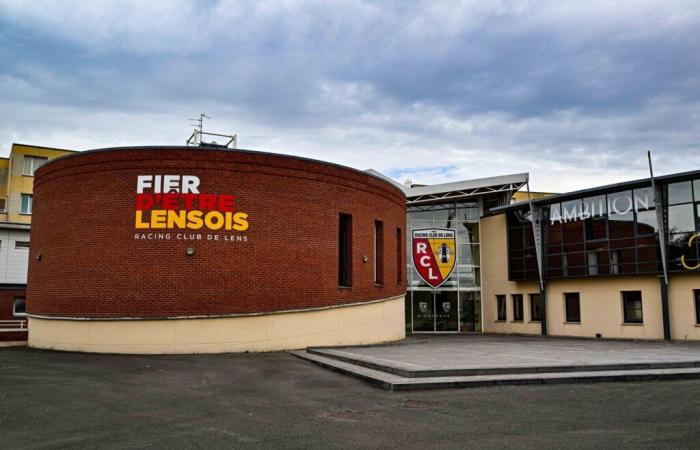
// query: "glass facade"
[[609, 234], [456, 305]]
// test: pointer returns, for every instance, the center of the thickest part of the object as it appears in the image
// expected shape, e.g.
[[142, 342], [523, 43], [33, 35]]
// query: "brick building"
[[185, 249]]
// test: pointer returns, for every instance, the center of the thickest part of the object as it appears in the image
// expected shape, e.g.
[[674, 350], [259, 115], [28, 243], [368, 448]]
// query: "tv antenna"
[[195, 138]]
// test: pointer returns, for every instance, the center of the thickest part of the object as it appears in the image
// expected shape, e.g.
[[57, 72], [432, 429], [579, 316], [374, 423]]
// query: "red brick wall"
[[85, 262], [7, 301]]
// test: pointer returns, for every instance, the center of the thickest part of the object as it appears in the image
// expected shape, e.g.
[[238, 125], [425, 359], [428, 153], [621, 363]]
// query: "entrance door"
[[446, 312], [435, 311]]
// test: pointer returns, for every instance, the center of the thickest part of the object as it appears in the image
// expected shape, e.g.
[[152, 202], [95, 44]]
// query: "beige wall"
[[682, 305], [494, 281], [375, 322], [601, 298], [601, 307]]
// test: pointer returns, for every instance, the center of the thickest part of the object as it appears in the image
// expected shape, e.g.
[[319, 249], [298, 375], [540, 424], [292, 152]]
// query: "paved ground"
[[51, 400], [490, 351]]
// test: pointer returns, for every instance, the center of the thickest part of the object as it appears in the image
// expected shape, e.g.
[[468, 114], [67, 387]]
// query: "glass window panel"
[[632, 304], [595, 206], [572, 306], [696, 188], [568, 248], [596, 229], [570, 210], [643, 199], [646, 222], [423, 311], [572, 231], [621, 225], [535, 307], [555, 213], [679, 192], [554, 234], [647, 254], [515, 239], [681, 218], [620, 203]]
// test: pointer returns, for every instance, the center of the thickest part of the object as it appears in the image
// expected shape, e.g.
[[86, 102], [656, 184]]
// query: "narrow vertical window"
[[696, 294], [535, 307], [632, 306], [517, 307], [26, 204], [399, 257], [572, 305], [500, 307], [378, 252], [345, 250]]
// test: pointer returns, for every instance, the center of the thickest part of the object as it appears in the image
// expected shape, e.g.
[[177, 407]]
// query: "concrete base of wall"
[[357, 324], [13, 343]]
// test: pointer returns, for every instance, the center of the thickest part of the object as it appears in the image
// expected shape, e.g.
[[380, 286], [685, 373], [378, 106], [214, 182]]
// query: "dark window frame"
[[518, 313], [345, 250], [569, 315], [626, 297], [14, 307], [532, 297], [501, 300], [378, 252], [696, 296]]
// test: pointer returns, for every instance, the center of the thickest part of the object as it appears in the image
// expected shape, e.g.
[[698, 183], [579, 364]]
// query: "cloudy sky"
[[573, 93]]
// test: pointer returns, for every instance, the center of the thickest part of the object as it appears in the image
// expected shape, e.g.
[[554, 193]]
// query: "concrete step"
[[406, 371], [393, 382]]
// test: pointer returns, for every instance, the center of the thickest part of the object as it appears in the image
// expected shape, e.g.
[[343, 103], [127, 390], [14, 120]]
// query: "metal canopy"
[[437, 193]]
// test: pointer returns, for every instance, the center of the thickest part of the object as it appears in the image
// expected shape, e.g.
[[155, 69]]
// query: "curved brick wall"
[[86, 261]]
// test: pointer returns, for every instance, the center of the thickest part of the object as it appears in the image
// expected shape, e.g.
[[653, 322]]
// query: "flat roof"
[[606, 189]]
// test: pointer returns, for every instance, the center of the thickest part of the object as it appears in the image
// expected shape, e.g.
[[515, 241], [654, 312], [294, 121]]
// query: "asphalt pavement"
[[274, 400]]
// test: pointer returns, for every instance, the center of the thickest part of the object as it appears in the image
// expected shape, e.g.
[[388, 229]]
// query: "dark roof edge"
[[642, 182]]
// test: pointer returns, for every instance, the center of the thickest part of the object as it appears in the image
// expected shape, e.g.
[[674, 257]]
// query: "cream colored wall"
[[601, 307], [370, 323], [682, 305], [601, 302], [494, 281]]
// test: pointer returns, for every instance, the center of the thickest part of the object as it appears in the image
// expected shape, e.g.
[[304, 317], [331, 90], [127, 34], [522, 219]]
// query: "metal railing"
[[13, 325]]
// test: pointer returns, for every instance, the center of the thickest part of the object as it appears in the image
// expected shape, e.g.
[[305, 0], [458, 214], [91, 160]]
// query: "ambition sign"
[[598, 206]]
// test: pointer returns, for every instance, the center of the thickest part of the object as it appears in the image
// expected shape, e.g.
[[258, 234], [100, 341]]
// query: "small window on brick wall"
[[345, 250], [378, 252], [399, 257], [19, 309]]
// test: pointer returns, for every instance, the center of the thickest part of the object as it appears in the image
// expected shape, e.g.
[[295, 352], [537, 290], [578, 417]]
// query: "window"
[[26, 204], [399, 256], [19, 308], [31, 164], [632, 306], [21, 244], [572, 304], [500, 307], [696, 294], [345, 250], [517, 307], [3, 205], [378, 252], [535, 307]]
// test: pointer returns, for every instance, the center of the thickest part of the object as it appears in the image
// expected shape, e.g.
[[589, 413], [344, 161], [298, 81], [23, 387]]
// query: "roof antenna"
[[196, 140]]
